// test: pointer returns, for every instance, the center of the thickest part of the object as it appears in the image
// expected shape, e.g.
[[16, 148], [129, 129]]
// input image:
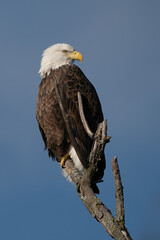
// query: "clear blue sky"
[[120, 43]]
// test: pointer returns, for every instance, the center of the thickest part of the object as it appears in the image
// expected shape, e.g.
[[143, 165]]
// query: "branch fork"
[[115, 226]]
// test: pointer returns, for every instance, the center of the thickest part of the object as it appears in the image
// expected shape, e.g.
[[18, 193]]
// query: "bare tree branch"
[[84, 122], [93, 204], [120, 213], [83, 181]]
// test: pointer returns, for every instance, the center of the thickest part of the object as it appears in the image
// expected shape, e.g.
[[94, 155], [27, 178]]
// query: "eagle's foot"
[[63, 160]]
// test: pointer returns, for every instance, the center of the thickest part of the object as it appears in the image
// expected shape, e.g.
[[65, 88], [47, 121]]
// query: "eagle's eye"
[[64, 51]]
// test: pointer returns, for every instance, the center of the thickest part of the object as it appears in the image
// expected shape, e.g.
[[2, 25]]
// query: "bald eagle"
[[57, 61]]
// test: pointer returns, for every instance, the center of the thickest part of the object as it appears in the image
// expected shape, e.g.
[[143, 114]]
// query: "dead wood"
[[115, 226]]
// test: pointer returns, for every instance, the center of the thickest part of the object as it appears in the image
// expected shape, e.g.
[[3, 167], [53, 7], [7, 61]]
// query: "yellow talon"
[[64, 158]]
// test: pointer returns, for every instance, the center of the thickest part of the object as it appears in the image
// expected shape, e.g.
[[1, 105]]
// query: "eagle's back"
[[70, 80]]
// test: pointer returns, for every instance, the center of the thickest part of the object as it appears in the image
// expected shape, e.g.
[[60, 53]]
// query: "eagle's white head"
[[56, 56]]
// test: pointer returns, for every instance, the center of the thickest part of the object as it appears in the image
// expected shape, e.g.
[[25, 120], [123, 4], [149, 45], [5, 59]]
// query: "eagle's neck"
[[50, 62]]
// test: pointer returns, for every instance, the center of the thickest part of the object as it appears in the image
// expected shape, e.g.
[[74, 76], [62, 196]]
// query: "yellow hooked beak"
[[76, 56]]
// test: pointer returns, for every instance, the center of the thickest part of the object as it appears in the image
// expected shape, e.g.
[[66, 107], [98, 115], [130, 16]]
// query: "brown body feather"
[[51, 124]]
